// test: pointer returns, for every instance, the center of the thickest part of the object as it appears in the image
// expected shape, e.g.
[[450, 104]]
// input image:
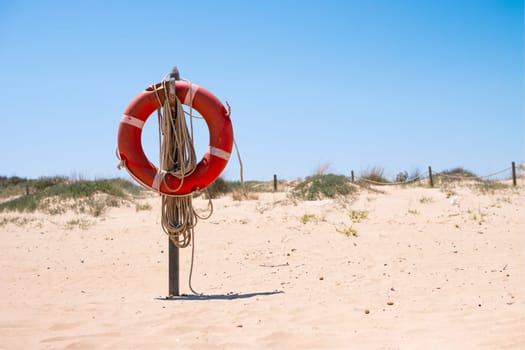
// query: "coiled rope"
[[177, 157]]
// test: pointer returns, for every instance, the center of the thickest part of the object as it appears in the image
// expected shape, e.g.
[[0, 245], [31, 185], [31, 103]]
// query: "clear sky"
[[352, 84]]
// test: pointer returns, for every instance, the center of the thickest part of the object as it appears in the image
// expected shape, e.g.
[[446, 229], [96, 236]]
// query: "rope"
[[415, 178], [436, 175], [177, 157]]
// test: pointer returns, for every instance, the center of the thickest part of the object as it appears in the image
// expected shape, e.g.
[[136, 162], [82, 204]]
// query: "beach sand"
[[388, 268]]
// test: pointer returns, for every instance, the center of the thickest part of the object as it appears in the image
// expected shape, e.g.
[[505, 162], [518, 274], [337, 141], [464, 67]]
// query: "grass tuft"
[[306, 218], [374, 174], [490, 187], [358, 215], [456, 174], [218, 188], [322, 186], [348, 231]]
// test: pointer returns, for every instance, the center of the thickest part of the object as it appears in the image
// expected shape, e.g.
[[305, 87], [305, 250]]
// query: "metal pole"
[[274, 182], [430, 176], [173, 250]]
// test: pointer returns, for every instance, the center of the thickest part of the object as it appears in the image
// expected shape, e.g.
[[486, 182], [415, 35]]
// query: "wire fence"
[[513, 172]]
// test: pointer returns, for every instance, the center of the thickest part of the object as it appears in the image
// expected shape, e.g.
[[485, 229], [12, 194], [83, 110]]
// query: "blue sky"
[[352, 84]]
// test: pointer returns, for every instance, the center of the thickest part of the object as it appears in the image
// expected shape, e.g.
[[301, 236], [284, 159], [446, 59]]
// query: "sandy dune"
[[420, 268]]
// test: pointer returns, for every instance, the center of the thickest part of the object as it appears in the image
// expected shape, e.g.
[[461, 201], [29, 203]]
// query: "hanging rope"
[[177, 157]]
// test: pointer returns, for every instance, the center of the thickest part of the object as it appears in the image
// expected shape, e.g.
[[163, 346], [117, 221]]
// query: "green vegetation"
[[18, 221], [401, 177], [57, 195], [358, 215], [456, 174], [374, 174], [16, 186], [306, 218], [322, 186], [349, 231], [218, 188], [479, 219], [239, 195], [140, 207], [490, 187], [80, 223], [239, 191], [405, 178]]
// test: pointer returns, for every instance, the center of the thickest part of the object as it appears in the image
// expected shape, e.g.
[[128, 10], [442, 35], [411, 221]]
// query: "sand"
[[418, 268]]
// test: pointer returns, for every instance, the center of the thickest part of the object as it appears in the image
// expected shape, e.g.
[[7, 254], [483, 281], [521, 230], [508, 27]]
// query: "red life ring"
[[132, 155]]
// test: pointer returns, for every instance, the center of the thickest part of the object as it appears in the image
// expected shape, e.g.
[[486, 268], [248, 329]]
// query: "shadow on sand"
[[232, 296]]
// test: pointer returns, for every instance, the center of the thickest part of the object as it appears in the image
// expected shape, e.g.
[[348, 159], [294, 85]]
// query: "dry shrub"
[[374, 174], [240, 195]]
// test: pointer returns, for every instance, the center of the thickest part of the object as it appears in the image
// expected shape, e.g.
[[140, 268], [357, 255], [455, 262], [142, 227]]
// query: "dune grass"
[[57, 195], [322, 186], [373, 174], [16, 186]]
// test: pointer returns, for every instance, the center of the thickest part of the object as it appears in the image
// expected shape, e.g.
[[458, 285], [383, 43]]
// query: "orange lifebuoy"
[[132, 155]]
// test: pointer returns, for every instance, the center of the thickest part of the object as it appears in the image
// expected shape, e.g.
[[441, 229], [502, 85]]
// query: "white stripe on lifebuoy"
[[217, 152], [190, 95], [158, 179], [131, 120]]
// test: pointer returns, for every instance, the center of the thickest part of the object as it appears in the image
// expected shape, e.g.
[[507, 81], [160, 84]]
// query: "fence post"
[[514, 174], [275, 182], [352, 174], [431, 181]]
